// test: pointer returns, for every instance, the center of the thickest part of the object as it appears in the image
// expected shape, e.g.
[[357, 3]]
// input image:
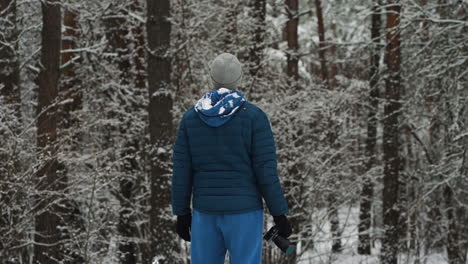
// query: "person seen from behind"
[[225, 157]]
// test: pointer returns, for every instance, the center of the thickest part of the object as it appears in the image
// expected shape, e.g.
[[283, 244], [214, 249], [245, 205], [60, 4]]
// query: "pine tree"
[[47, 236], [391, 135], [163, 239]]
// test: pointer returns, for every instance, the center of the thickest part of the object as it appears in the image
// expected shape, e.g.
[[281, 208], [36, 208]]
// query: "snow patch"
[[161, 150], [223, 90], [206, 103]]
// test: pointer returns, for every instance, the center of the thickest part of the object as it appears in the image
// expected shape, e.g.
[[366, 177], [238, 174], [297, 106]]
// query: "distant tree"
[[118, 33], [258, 36], [9, 75], [367, 192], [231, 33], [47, 236], [292, 55], [332, 133], [70, 91], [10, 129], [322, 46], [70, 98], [391, 134]]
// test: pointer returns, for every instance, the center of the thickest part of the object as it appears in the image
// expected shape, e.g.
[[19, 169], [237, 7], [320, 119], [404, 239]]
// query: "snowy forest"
[[367, 101]]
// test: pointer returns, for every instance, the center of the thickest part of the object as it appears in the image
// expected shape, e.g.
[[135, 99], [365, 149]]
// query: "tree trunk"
[[391, 140], [371, 140], [137, 145], [47, 237], [70, 98], [291, 36], [163, 239], [10, 166], [70, 92], [9, 75], [455, 252], [322, 46], [230, 35], [256, 51], [139, 57], [117, 32], [332, 136]]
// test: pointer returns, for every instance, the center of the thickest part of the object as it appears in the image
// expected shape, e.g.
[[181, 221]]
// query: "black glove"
[[184, 223], [284, 227]]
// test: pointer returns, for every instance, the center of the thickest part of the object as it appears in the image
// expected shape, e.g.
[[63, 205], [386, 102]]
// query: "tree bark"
[[70, 100], [367, 192], [455, 252], [138, 143], [118, 28], [9, 75], [391, 136], [230, 35], [163, 239], [332, 135], [10, 166], [47, 237], [256, 51], [70, 91], [291, 36], [322, 45], [139, 57]]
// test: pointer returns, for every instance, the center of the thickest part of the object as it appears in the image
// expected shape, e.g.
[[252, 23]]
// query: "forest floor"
[[349, 219]]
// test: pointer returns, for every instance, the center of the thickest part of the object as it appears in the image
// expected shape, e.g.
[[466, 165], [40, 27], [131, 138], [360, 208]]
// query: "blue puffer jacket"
[[225, 154]]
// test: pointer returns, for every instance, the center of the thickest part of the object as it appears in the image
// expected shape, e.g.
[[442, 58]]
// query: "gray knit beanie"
[[226, 71]]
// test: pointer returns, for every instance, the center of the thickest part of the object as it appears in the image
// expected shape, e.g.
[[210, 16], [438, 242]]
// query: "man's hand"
[[283, 225], [184, 224]]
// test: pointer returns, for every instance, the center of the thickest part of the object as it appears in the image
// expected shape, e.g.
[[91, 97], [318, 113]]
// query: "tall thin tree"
[[70, 91], [10, 128], [292, 55], [391, 138], [332, 133], [371, 140], [163, 239], [290, 34], [70, 100], [9, 75], [322, 45], [47, 236], [229, 37], [256, 51], [118, 29]]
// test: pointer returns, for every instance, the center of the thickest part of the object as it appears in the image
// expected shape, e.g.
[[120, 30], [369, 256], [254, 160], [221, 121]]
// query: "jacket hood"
[[217, 107]]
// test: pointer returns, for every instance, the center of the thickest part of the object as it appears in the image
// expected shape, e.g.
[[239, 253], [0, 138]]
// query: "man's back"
[[225, 155], [232, 164]]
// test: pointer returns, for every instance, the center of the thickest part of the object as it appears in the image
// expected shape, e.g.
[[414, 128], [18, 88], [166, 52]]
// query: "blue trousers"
[[240, 234]]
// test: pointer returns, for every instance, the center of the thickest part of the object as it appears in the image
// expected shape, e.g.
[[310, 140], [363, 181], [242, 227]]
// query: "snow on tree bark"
[[47, 236], [391, 135], [163, 240], [371, 140], [292, 40]]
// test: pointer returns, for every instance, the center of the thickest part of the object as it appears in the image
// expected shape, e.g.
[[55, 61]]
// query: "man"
[[225, 153]]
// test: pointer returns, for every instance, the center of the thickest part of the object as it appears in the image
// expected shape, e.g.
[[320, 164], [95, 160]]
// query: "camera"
[[273, 238]]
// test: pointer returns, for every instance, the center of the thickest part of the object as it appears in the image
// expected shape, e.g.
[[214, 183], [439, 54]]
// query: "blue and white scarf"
[[217, 107]]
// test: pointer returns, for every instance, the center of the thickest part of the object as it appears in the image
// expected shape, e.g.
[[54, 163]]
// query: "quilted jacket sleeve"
[[182, 178], [265, 166]]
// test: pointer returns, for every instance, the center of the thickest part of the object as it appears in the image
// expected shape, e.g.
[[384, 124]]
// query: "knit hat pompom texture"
[[226, 71]]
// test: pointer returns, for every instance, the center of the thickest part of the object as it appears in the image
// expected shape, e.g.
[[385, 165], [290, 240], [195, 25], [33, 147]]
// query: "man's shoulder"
[[190, 113], [253, 110]]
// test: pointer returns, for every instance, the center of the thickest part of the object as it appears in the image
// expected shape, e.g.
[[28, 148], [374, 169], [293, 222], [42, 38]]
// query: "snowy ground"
[[349, 219]]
